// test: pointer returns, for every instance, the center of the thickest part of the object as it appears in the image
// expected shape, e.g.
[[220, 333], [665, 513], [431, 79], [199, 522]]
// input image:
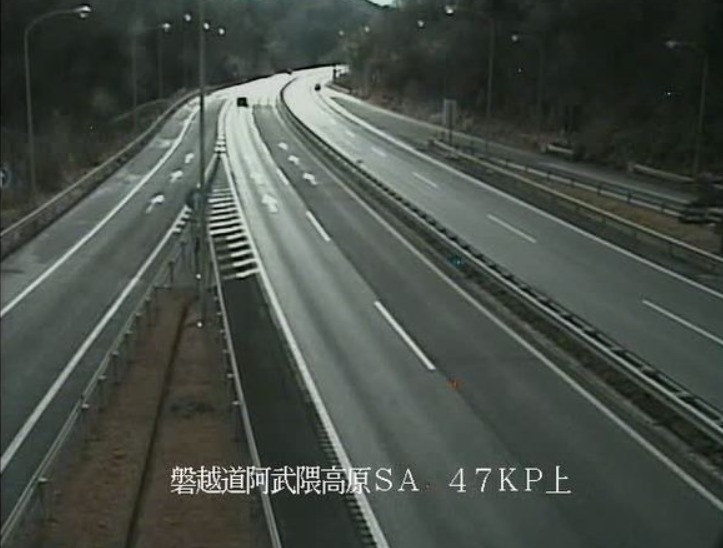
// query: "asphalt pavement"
[[415, 375], [58, 289], [671, 321]]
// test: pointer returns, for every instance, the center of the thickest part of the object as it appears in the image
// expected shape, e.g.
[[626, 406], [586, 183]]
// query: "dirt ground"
[[171, 409]]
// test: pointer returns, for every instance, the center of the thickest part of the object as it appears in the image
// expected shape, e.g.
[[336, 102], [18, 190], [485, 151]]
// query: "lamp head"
[[83, 11]]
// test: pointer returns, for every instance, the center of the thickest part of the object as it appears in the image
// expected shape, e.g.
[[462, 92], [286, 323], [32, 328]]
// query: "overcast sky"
[[382, 2]]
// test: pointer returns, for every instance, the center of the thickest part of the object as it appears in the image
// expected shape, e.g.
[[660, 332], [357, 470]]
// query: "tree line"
[[621, 78]]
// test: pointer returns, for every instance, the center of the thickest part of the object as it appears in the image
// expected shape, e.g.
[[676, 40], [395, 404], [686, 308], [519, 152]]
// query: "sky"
[[382, 2]]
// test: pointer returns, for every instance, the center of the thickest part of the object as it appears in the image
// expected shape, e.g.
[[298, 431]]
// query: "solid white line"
[[324, 415], [683, 322], [376, 131], [405, 336], [80, 353], [284, 178], [379, 151], [425, 180], [80, 243], [317, 226], [620, 423], [512, 228]]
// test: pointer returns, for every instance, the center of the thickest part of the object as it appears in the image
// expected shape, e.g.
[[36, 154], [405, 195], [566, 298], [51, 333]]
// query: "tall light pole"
[[675, 44], [517, 38], [202, 243], [202, 185], [134, 64], [451, 10], [186, 19], [82, 11], [163, 29]]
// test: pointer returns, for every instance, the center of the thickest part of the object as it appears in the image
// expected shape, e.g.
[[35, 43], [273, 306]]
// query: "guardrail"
[[26, 228], [562, 151], [672, 247], [94, 394], [639, 197], [37, 493], [632, 167], [473, 263]]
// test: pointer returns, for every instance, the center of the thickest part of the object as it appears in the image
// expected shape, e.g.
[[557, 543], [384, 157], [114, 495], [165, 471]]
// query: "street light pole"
[[202, 186], [701, 116], [187, 19], [675, 44], [164, 28], [134, 78], [490, 69], [29, 113], [450, 10], [82, 11], [540, 84], [540, 71]]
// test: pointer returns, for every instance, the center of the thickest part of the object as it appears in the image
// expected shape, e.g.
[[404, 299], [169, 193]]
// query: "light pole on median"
[[675, 44], [202, 243], [82, 11], [451, 10]]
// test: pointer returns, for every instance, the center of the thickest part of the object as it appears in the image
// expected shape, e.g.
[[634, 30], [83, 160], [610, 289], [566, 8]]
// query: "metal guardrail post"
[[128, 346], [236, 419], [101, 392], [147, 311], [230, 385], [115, 367], [46, 497], [85, 424], [184, 254]]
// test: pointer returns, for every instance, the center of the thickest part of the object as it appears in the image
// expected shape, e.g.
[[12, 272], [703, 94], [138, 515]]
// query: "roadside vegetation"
[[594, 74], [82, 86]]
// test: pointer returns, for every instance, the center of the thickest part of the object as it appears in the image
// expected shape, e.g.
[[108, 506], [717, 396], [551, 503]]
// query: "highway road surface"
[[417, 375], [67, 292], [413, 373], [671, 321], [419, 132]]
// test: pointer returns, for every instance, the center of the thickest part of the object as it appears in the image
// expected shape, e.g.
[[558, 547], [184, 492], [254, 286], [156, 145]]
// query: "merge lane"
[[391, 411], [603, 285]]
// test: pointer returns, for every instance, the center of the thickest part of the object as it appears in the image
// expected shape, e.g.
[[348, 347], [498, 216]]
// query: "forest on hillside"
[[602, 74], [594, 73], [81, 68]]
